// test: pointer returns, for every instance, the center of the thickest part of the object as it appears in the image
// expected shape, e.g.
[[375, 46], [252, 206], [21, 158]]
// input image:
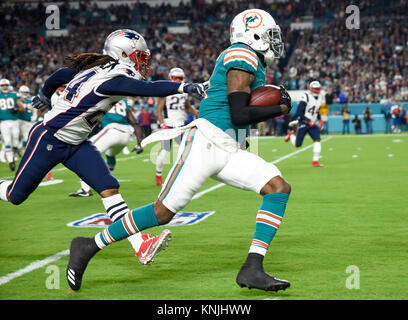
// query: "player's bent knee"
[[16, 198], [109, 193], [163, 214], [275, 185]]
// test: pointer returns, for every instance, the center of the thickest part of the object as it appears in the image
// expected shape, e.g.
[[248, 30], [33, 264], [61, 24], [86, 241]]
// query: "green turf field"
[[344, 234]]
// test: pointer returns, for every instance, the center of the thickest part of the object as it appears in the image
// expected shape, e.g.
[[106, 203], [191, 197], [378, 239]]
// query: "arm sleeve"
[[243, 114], [300, 111], [57, 79], [124, 86]]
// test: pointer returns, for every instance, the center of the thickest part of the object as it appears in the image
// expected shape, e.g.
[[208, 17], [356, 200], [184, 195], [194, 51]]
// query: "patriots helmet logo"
[[131, 36]]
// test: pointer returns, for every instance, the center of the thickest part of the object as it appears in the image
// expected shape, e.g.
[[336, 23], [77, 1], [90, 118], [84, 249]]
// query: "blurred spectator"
[[346, 115], [368, 120], [403, 117], [145, 122], [324, 115], [357, 124]]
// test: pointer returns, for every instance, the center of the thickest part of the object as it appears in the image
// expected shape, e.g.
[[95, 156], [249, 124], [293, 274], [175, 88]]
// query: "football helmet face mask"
[[4, 85], [257, 29], [130, 48], [177, 74], [24, 92]]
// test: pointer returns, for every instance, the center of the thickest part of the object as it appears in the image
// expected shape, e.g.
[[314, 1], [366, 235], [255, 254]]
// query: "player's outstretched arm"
[[238, 91], [124, 86]]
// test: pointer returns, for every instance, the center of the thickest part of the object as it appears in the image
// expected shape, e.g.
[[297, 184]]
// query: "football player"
[[306, 116], [172, 113], [211, 148], [95, 83], [113, 137], [25, 118], [10, 105]]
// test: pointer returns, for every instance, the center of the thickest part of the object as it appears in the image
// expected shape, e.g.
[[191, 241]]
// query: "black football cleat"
[[259, 279], [81, 251]]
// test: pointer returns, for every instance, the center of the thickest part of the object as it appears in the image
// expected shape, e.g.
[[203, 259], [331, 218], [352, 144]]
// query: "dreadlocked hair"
[[84, 61]]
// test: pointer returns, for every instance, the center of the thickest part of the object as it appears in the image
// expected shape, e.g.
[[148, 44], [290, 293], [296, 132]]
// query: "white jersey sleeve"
[[80, 107]]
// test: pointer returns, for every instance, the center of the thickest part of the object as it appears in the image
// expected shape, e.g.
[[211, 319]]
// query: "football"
[[267, 95]]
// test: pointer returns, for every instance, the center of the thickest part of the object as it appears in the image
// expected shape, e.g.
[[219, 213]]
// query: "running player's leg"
[[250, 172], [195, 163], [163, 157], [87, 162], [6, 128], [314, 133], [297, 139], [42, 153]]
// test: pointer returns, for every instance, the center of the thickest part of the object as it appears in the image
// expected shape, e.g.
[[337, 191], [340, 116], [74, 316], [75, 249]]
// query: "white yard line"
[[41, 263], [33, 266]]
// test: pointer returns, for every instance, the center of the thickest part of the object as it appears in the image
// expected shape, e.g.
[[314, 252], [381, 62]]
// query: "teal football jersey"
[[215, 108], [28, 110], [8, 102], [117, 114]]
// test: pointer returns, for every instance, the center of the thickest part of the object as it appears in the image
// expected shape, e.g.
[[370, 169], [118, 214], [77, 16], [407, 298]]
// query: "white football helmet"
[[257, 29], [133, 45], [24, 92], [4, 85], [315, 87], [177, 74]]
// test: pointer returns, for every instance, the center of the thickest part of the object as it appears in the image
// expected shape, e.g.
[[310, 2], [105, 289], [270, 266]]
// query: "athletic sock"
[[3, 189], [317, 148], [293, 139], [116, 208], [161, 158], [268, 219], [132, 222]]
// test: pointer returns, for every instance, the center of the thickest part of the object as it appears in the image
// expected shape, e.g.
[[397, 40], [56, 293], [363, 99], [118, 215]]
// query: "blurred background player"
[[118, 126], [27, 117], [10, 105], [172, 113], [307, 114]]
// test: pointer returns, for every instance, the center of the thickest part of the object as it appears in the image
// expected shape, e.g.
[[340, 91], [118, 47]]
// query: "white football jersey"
[[79, 108], [312, 105], [174, 112]]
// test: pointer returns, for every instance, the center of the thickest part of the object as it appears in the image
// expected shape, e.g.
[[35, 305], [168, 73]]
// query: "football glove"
[[285, 98], [163, 126], [40, 100], [312, 123], [138, 149], [196, 90]]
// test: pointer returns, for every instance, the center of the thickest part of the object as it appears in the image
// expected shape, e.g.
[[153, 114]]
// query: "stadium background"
[[350, 213], [359, 67]]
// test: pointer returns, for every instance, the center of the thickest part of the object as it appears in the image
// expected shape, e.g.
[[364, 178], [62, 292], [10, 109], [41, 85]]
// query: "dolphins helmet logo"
[[252, 20]]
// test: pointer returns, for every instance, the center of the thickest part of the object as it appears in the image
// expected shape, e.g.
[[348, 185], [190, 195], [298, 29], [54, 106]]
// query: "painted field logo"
[[101, 220]]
